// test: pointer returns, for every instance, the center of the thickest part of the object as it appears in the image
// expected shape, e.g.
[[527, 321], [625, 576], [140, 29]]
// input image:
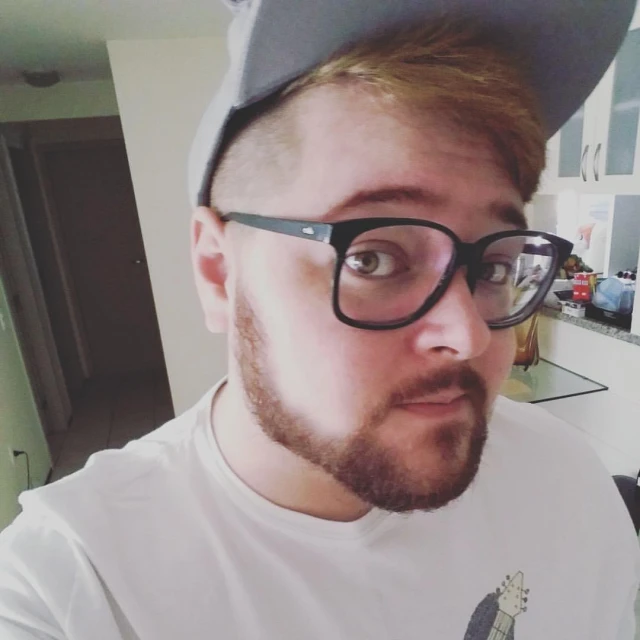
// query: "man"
[[360, 179]]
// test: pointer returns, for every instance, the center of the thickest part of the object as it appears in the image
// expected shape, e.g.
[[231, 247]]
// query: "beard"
[[449, 453]]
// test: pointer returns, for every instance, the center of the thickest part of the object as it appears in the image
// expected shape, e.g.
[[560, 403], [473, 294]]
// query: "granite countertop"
[[592, 325]]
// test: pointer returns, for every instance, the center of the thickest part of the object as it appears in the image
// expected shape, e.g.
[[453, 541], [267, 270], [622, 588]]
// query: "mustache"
[[461, 377]]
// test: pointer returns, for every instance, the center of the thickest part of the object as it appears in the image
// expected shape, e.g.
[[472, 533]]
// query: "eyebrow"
[[507, 213], [400, 195]]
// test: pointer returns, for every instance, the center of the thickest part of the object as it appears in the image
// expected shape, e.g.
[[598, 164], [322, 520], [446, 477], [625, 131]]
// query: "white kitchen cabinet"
[[598, 149], [569, 152], [616, 161]]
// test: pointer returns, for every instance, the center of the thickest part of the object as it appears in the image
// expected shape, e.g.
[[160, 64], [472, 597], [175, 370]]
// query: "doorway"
[[79, 207], [92, 194]]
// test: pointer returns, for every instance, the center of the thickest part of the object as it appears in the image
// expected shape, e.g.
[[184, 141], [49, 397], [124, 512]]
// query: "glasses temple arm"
[[297, 228]]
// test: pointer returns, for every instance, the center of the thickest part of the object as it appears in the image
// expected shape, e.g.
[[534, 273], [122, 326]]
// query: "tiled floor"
[[109, 412]]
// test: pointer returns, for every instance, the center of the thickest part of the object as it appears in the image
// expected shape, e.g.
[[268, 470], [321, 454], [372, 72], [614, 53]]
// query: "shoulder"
[[540, 473], [556, 473], [40, 568], [117, 479], [549, 460], [34, 540], [532, 435]]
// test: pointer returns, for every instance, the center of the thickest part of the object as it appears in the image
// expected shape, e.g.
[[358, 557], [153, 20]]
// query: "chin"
[[418, 473]]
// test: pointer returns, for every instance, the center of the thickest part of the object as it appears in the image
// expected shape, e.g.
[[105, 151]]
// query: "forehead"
[[354, 140]]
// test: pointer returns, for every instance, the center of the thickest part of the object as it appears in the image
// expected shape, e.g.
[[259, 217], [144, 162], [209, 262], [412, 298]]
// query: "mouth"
[[439, 405]]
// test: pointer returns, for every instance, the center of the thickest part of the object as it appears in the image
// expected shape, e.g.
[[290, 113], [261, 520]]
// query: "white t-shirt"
[[161, 541]]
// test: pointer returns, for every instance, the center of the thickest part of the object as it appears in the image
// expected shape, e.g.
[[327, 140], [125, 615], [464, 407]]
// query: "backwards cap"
[[567, 46]]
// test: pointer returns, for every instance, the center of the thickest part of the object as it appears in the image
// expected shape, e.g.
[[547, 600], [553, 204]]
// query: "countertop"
[[592, 325]]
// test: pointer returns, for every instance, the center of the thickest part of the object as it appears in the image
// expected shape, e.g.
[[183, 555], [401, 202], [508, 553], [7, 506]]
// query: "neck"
[[272, 471]]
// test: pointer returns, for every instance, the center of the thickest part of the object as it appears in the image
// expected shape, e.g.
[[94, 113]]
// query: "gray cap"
[[568, 45]]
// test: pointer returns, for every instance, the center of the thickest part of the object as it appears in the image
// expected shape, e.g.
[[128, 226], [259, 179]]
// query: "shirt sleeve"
[[606, 543], [629, 571], [627, 627], [25, 613], [50, 590], [617, 592], [613, 615]]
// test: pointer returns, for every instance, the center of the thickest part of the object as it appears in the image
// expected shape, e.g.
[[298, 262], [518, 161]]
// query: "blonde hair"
[[451, 69]]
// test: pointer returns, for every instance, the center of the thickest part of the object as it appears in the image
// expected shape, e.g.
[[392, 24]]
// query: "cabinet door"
[[572, 147], [570, 151], [616, 161]]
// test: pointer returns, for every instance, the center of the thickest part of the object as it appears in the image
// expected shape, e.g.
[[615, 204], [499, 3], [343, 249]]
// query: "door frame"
[[43, 135], [17, 257]]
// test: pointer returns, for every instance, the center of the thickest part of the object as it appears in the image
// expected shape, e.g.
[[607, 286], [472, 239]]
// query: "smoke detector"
[[41, 79]]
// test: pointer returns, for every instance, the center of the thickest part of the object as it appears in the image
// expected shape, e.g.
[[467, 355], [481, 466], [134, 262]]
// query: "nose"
[[453, 327]]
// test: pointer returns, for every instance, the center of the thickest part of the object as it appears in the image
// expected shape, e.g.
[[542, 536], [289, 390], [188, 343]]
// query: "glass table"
[[546, 381]]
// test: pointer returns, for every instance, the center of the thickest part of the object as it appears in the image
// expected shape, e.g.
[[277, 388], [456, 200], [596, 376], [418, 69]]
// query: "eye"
[[374, 264], [495, 272]]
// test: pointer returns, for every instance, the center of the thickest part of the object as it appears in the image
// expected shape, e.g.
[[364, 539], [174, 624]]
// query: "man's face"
[[398, 416]]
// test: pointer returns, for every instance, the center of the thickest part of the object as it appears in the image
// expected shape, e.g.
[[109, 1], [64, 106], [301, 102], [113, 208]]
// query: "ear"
[[210, 266]]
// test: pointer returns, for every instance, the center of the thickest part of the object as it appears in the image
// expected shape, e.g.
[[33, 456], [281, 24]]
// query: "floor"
[[108, 413]]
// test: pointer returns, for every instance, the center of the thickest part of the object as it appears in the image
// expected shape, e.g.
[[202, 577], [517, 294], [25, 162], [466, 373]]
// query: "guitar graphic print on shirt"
[[494, 618]]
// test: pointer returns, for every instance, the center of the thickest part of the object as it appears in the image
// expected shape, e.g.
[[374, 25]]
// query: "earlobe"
[[210, 267]]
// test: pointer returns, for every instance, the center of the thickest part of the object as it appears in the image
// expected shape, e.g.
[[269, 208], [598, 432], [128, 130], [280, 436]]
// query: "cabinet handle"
[[583, 171], [596, 162]]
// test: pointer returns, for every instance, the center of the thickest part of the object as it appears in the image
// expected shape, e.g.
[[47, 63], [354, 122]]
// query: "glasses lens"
[[514, 275], [388, 273]]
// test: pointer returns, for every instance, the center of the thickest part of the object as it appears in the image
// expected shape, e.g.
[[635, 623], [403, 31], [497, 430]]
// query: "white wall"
[[87, 99], [163, 86]]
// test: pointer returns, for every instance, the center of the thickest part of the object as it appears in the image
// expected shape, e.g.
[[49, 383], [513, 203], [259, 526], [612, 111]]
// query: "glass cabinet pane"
[[625, 108], [570, 154]]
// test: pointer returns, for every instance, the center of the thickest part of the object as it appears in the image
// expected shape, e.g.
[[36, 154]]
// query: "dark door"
[[91, 187]]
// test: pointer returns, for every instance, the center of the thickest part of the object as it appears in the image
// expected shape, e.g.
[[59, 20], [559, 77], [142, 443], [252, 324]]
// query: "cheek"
[[497, 361], [317, 371], [313, 359]]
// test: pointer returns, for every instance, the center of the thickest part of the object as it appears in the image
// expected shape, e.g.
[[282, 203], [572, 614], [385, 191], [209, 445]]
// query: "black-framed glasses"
[[391, 271]]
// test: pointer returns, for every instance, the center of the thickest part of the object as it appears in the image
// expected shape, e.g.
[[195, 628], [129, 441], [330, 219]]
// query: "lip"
[[437, 406]]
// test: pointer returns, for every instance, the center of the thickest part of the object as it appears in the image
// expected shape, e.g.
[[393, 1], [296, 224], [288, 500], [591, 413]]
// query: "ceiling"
[[70, 35]]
